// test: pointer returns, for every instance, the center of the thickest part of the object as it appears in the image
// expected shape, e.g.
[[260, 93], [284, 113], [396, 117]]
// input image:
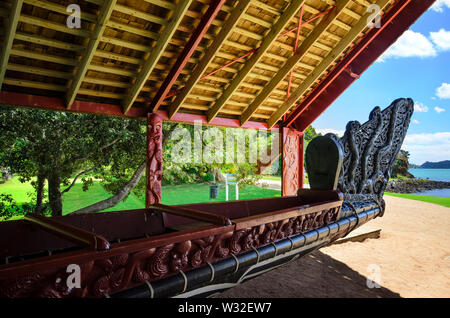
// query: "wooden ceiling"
[[129, 52]]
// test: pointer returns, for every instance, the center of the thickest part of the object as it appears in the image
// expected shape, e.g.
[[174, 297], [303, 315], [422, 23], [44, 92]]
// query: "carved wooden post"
[[154, 159], [292, 163]]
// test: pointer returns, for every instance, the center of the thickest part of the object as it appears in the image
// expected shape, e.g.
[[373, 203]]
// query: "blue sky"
[[416, 66]]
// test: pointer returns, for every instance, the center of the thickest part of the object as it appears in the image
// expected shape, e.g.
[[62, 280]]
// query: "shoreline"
[[415, 185]]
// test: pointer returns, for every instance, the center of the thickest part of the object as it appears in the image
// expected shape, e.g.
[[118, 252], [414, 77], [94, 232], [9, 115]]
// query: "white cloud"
[[325, 131], [443, 91], [410, 44], [420, 108], [441, 39], [439, 5], [439, 110], [415, 121], [428, 138], [427, 147]]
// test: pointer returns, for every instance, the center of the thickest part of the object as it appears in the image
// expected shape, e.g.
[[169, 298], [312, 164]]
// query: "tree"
[[52, 146], [401, 165], [310, 134]]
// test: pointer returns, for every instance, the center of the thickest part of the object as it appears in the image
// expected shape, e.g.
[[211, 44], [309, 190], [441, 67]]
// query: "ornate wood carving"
[[292, 161], [109, 274], [154, 159], [370, 150]]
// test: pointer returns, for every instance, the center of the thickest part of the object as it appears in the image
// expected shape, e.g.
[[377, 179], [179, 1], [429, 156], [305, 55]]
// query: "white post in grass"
[[226, 187]]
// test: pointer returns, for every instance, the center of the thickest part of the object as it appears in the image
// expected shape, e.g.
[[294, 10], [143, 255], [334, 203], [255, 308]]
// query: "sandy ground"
[[410, 259]]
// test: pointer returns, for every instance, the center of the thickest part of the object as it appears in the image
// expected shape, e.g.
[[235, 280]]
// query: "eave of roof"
[[231, 65]]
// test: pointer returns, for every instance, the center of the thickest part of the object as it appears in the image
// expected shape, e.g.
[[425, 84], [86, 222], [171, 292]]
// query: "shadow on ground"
[[314, 275]]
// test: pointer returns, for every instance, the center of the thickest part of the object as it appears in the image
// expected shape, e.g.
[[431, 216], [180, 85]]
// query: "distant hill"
[[436, 165]]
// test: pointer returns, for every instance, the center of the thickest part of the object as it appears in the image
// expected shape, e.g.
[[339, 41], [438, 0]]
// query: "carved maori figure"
[[179, 256], [154, 159], [159, 264], [202, 251]]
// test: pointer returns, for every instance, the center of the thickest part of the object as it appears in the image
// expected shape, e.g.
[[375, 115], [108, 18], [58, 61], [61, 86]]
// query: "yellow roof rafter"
[[103, 17], [9, 37]]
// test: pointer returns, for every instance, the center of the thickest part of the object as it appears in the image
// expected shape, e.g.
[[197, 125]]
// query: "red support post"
[[393, 23], [154, 160], [186, 54], [301, 158], [292, 161]]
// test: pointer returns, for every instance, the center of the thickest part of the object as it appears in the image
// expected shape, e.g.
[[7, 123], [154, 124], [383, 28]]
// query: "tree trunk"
[[39, 193], [112, 201], [54, 194]]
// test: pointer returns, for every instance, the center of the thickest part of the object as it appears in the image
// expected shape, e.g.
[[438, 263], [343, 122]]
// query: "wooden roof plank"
[[9, 37], [44, 57], [103, 17], [162, 4], [330, 58], [293, 60], [156, 53], [38, 71], [198, 71], [45, 23], [279, 26], [40, 40], [34, 84], [142, 15]]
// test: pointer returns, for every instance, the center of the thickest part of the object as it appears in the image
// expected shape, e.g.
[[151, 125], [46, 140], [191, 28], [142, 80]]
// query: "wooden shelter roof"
[[247, 60]]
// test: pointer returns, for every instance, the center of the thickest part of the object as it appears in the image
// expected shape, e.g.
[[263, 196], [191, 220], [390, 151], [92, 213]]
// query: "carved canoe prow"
[[368, 154]]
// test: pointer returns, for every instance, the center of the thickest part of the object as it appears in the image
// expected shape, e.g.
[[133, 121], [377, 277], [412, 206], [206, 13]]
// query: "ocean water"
[[436, 193], [433, 174]]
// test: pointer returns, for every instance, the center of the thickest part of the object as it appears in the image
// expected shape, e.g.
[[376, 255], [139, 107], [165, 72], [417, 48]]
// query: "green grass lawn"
[[185, 194], [278, 178], [76, 198], [270, 177], [444, 201], [17, 189]]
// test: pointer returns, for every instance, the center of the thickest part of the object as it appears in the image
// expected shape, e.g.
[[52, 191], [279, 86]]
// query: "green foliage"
[[59, 145], [193, 171], [10, 208], [208, 177], [401, 165], [310, 134]]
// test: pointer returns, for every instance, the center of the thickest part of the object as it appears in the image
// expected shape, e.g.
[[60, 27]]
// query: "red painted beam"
[[396, 21], [51, 103], [187, 52]]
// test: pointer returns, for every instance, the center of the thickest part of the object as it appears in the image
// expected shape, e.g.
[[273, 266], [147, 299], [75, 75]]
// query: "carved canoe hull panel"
[[130, 264]]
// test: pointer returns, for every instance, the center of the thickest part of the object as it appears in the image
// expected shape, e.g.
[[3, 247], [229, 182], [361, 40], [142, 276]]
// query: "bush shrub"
[[10, 208]]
